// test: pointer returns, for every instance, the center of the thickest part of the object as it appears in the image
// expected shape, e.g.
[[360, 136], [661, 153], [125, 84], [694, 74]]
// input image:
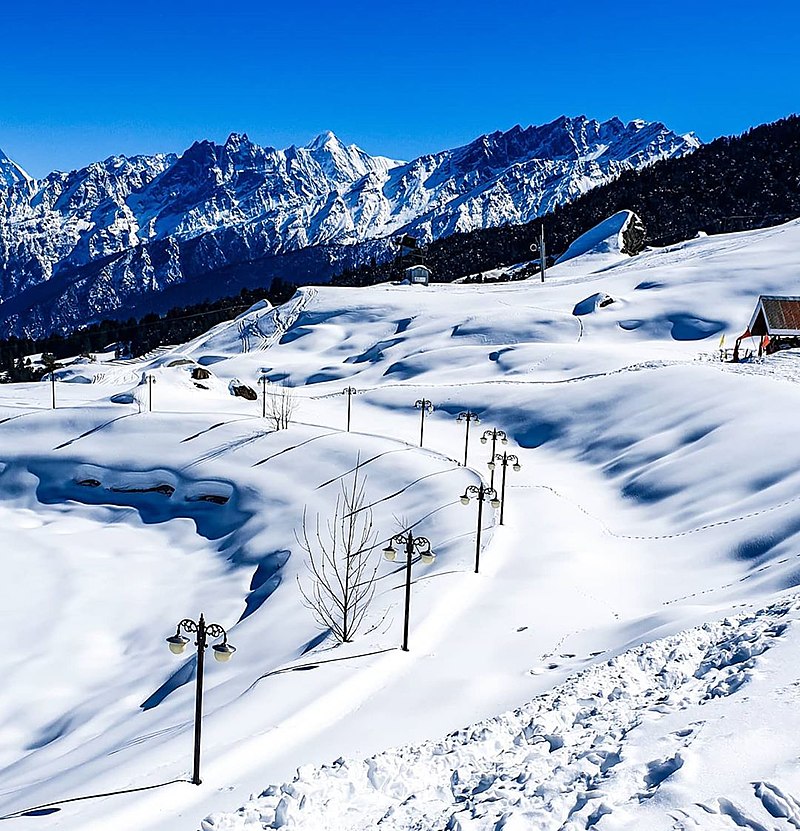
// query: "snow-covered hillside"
[[75, 247], [624, 659]]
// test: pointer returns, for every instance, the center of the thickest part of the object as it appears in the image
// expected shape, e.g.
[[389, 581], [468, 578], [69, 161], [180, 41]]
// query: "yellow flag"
[[722, 341]]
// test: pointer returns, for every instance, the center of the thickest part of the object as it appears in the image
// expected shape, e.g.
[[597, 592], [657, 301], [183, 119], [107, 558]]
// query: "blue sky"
[[81, 81]]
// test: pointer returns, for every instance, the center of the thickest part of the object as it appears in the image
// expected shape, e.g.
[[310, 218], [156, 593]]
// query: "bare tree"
[[341, 564], [280, 405]]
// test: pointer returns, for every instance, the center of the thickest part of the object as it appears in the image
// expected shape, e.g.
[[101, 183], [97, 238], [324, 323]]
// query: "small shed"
[[418, 274], [775, 322]]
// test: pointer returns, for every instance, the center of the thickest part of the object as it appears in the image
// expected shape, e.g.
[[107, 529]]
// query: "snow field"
[[566, 760], [651, 501]]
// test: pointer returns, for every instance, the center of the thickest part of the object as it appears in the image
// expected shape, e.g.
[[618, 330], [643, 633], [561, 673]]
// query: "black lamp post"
[[222, 652], [482, 493], [493, 434], [53, 385], [467, 416], [263, 379], [422, 546], [505, 460], [349, 392], [424, 406], [150, 381]]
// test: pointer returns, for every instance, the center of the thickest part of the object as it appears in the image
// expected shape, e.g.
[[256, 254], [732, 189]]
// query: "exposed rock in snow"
[[596, 301], [606, 243]]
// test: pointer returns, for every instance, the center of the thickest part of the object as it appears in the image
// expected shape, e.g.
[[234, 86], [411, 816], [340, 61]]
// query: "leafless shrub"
[[280, 405], [341, 561]]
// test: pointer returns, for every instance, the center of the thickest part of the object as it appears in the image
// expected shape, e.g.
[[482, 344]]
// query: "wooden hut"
[[418, 275], [775, 322]]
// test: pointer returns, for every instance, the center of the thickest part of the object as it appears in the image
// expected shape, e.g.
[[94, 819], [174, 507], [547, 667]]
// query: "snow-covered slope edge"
[[622, 742]]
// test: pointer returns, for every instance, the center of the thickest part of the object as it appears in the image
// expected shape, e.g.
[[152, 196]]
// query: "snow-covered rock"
[[608, 242]]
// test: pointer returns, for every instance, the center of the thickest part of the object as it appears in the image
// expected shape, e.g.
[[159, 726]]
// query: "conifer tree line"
[[134, 337], [731, 184]]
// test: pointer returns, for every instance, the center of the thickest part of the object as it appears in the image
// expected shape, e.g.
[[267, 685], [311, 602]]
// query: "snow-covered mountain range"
[[112, 238]]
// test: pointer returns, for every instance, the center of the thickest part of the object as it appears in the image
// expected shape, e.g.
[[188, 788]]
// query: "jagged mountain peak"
[[11, 173], [235, 141], [325, 139]]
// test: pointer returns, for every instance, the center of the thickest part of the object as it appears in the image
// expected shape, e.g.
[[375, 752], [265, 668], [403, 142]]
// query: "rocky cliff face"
[[137, 234]]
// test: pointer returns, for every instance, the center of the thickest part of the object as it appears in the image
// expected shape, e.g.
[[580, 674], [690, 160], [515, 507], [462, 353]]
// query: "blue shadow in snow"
[[535, 435], [327, 374], [315, 641], [688, 327], [266, 578], [183, 675], [375, 353], [50, 732]]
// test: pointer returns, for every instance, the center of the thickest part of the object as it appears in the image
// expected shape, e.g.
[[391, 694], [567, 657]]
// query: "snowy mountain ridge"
[[78, 246]]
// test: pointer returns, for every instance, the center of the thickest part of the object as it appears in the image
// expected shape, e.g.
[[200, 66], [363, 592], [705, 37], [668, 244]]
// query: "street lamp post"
[[222, 652], [424, 406], [349, 392], [505, 460], [467, 416], [422, 546], [150, 381], [493, 434], [263, 379], [53, 385], [481, 493]]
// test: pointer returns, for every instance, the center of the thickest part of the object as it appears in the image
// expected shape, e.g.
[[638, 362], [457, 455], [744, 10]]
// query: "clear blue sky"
[[83, 80]]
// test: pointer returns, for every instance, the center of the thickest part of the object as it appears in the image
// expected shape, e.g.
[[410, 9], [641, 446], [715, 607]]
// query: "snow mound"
[[608, 242], [595, 301]]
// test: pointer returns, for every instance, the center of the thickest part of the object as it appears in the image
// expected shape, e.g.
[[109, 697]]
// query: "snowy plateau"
[[628, 656], [134, 235]]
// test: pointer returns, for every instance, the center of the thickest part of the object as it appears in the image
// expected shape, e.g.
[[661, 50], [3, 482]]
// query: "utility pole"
[[263, 379]]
